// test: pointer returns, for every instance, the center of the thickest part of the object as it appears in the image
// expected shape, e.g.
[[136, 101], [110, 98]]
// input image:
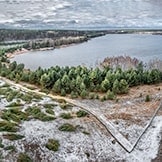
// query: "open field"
[[90, 140]]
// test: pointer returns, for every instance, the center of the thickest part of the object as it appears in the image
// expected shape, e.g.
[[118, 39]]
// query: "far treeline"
[[81, 81], [36, 39]]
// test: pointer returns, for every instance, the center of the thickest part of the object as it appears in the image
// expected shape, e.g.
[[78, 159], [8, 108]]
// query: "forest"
[[37, 39], [81, 81]]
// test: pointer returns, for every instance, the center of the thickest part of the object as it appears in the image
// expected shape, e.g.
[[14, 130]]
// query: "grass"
[[36, 113], [24, 158], [49, 106], [11, 148], [6, 85], [46, 91], [5, 91], [65, 106], [14, 114], [1, 145], [13, 137], [8, 126], [27, 98], [66, 116], [50, 111], [36, 96], [53, 144], [67, 127], [147, 99], [14, 104], [31, 87], [86, 133], [60, 100], [47, 118], [81, 113]]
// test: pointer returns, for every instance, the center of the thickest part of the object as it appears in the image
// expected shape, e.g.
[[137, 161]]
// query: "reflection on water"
[[144, 47]]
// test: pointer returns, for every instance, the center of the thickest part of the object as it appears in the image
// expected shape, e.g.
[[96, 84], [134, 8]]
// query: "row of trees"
[[45, 43], [80, 80], [36, 39], [8, 35]]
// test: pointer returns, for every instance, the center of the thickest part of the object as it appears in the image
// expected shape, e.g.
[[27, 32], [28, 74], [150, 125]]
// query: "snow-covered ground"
[[76, 146], [95, 145]]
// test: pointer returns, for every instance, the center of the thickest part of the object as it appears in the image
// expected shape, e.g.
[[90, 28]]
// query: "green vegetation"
[[86, 133], [77, 81], [8, 126], [49, 106], [80, 81], [53, 144], [36, 113], [14, 114], [11, 148], [13, 136], [66, 116], [14, 104], [147, 99], [81, 113], [1, 145], [24, 158], [67, 127], [110, 95], [65, 106], [50, 111], [36, 39]]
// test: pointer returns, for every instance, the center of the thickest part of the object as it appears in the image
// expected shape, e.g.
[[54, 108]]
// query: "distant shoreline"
[[124, 31]]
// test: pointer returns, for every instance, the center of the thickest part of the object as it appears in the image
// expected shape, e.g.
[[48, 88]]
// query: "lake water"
[[80, 14], [142, 46]]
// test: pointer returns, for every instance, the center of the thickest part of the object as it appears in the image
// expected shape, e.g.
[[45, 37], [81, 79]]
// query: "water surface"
[[142, 46]]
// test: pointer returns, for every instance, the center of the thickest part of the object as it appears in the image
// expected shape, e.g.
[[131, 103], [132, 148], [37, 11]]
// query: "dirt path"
[[97, 114]]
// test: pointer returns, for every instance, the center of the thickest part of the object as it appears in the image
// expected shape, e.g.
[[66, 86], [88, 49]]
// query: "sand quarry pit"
[[137, 123]]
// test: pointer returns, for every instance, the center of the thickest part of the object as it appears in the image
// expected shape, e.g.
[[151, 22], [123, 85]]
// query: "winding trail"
[[98, 115]]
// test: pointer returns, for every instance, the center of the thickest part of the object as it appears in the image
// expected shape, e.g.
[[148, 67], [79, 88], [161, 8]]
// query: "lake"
[[142, 46]]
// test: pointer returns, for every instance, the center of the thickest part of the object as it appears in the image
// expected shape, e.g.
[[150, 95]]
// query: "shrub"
[[8, 126], [63, 92], [86, 133], [11, 148], [67, 127], [14, 114], [66, 116], [50, 111], [81, 113], [65, 105], [61, 100], [73, 95], [147, 99], [1, 145], [103, 98], [36, 113], [110, 95], [13, 137], [14, 104], [24, 158], [47, 118], [49, 106], [53, 144], [91, 96], [84, 94]]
